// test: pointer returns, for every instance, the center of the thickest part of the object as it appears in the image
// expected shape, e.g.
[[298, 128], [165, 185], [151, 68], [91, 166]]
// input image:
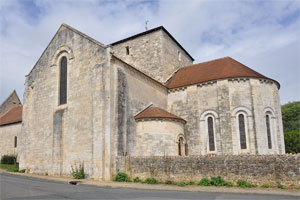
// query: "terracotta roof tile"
[[12, 116], [212, 70], [154, 112]]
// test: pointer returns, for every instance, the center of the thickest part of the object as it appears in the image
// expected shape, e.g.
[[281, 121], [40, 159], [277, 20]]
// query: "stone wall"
[[158, 137], [155, 54], [224, 100], [58, 136], [7, 139], [257, 169], [134, 92]]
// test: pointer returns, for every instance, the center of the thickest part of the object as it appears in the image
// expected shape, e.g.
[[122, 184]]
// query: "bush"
[[204, 182], [244, 184], [228, 184], [168, 182], [122, 177], [265, 186], [217, 181], [9, 159], [22, 171], [78, 172], [281, 186], [137, 180], [151, 181], [190, 183]]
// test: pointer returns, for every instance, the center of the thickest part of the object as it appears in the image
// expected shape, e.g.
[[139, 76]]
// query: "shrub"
[[244, 184], [137, 180], [122, 177], [182, 183], [168, 182], [190, 183], [204, 182], [151, 181], [9, 159], [265, 186], [228, 184], [78, 172], [217, 181], [281, 186]]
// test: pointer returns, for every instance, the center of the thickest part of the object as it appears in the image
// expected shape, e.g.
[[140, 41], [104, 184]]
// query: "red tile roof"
[[212, 70], [156, 113], [12, 116]]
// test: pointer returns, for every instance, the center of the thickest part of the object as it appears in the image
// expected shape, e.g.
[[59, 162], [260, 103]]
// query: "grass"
[[10, 168]]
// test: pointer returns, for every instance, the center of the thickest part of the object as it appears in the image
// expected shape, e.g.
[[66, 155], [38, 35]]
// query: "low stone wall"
[[257, 169]]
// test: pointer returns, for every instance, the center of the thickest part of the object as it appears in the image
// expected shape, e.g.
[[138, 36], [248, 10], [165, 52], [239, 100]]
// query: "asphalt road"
[[17, 187]]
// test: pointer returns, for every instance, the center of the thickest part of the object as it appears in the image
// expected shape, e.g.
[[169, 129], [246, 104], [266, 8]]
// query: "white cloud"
[[261, 34]]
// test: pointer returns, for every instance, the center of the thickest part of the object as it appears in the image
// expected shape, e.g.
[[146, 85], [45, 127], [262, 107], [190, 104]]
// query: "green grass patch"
[[151, 181], [265, 186], [281, 186], [10, 168]]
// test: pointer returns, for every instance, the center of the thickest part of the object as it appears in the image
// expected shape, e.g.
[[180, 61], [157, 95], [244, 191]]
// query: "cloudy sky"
[[264, 35]]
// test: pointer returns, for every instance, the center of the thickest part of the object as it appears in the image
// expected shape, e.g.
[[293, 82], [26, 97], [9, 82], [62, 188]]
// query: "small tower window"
[[180, 146], [268, 131], [63, 81], [127, 50], [211, 138], [242, 132], [16, 142], [179, 55]]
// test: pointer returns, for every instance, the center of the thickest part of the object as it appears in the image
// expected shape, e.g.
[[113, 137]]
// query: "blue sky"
[[264, 35]]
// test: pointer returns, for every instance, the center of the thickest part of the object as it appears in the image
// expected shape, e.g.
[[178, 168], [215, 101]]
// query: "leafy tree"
[[291, 126]]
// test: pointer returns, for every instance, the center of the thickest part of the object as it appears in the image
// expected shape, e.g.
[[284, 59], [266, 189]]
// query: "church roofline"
[[74, 30], [151, 31]]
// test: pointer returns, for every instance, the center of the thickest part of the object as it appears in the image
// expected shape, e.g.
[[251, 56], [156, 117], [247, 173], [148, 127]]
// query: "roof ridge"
[[226, 57], [151, 104]]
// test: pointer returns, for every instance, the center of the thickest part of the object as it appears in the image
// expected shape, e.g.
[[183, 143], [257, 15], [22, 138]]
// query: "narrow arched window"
[[180, 146], [63, 81], [268, 131], [16, 142], [242, 132], [211, 139]]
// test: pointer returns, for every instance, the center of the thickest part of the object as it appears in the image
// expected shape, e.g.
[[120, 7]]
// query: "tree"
[[291, 126]]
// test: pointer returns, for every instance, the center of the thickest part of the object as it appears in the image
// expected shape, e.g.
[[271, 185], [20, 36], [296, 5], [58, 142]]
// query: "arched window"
[[180, 146], [268, 131], [211, 139], [63, 81], [16, 142], [242, 131]]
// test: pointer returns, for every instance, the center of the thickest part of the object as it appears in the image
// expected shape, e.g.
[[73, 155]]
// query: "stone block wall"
[[7, 139], [155, 54], [224, 100], [257, 169]]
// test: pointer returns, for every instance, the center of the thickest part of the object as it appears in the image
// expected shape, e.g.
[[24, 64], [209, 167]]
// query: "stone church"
[[141, 96]]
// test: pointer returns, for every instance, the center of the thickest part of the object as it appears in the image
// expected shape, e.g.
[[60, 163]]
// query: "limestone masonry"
[[141, 96]]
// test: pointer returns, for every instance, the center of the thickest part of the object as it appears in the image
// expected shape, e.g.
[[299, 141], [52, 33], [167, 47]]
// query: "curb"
[[162, 187]]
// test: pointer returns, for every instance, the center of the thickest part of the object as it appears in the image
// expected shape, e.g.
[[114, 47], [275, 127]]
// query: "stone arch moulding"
[[60, 51], [269, 110], [241, 109], [209, 112], [180, 136]]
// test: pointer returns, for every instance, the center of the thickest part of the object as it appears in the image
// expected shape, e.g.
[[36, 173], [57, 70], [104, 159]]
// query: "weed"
[[151, 181], [137, 180], [168, 182], [122, 177], [182, 183], [204, 182], [244, 184], [265, 186], [78, 172], [281, 186]]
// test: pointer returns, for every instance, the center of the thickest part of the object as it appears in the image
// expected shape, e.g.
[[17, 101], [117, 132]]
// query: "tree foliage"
[[291, 126]]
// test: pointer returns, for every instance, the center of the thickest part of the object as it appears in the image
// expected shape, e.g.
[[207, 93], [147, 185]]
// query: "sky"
[[263, 35]]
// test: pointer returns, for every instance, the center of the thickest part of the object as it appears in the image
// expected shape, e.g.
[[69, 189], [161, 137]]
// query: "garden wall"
[[257, 169]]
